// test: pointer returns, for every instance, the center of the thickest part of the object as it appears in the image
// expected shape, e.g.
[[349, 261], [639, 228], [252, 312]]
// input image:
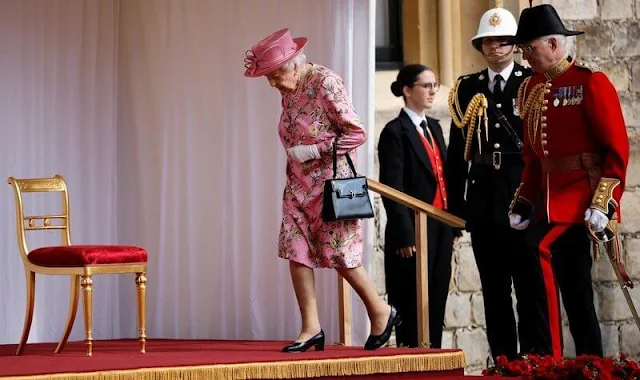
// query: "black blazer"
[[405, 166], [488, 191]]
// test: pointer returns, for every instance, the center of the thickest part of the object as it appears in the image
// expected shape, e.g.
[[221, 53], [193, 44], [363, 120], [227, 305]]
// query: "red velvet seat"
[[81, 255]]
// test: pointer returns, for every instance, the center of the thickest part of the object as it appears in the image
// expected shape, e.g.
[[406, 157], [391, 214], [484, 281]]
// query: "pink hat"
[[272, 53]]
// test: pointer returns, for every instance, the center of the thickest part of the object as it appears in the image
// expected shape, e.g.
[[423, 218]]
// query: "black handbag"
[[345, 198]]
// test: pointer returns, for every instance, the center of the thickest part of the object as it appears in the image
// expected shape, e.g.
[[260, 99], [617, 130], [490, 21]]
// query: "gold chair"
[[80, 262]]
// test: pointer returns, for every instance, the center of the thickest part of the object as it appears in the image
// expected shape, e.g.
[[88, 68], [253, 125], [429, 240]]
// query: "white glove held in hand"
[[597, 219], [516, 222], [303, 153]]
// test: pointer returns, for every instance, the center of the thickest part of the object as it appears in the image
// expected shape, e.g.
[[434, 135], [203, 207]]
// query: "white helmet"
[[495, 22]]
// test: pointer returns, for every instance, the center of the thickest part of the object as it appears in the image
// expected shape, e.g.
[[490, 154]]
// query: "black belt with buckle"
[[497, 159]]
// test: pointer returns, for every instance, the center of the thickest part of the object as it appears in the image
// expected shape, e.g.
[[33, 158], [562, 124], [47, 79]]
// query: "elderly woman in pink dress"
[[316, 111]]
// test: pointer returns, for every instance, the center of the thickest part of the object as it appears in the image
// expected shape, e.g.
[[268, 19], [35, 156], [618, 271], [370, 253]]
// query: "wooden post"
[[344, 297], [422, 279], [445, 47], [420, 32]]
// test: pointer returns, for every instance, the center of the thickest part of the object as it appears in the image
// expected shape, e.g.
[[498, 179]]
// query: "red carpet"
[[223, 359]]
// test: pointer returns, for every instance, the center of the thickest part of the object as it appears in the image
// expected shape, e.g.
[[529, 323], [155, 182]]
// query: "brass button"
[[543, 125], [547, 91], [496, 146], [544, 142], [499, 105], [546, 153], [544, 108], [544, 118], [548, 85], [546, 101], [544, 135], [497, 125]]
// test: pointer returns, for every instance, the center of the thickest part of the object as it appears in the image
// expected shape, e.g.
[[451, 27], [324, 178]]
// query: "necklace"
[[302, 83]]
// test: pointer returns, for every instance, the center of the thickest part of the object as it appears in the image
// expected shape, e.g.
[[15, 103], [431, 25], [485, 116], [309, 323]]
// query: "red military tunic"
[[574, 129]]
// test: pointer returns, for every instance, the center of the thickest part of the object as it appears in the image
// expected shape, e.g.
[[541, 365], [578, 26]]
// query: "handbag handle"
[[335, 160]]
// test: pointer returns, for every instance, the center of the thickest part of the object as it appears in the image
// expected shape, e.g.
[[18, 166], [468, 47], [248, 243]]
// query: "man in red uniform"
[[576, 151]]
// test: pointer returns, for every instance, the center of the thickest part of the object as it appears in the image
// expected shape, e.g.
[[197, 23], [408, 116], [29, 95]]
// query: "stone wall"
[[612, 42]]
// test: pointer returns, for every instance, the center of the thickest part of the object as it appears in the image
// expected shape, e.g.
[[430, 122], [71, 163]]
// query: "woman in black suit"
[[411, 151]]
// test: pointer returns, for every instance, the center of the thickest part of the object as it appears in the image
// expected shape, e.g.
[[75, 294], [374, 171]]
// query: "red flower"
[[583, 367]]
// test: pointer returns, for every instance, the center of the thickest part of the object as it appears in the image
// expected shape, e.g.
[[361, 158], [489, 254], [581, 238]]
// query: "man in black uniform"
[[484, 164]]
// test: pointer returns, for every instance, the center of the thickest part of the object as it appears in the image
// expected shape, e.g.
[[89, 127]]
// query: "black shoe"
[[316, 340], [377, 341]]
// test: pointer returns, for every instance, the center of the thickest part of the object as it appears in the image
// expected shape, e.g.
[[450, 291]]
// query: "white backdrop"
[[143, 107]]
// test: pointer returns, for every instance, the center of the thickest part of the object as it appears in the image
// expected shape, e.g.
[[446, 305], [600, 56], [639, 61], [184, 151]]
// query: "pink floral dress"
[[318, 114]]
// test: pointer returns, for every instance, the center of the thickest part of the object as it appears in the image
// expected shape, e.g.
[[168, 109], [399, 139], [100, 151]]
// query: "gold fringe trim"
[[445, 361]]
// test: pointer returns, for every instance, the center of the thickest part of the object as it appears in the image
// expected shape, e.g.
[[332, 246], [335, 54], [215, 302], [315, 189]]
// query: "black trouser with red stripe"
[[502, 258], [565, 258]]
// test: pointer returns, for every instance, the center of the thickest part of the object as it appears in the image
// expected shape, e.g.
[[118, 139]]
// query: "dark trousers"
[[566, 251], [503, 259], [400, 277]]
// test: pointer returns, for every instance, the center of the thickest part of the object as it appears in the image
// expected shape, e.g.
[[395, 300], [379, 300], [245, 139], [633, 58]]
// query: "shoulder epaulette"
[[588, 66]]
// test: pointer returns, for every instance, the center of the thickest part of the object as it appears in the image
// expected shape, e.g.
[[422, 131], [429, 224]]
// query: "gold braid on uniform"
[[531, 108], [520, 98], [476, 110]]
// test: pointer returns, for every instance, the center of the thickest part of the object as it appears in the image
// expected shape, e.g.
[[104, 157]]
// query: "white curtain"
[[58, 116], [143, 107]]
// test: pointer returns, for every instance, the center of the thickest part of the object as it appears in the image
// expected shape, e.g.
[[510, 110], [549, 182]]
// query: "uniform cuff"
[[521, 205], [603, 196]]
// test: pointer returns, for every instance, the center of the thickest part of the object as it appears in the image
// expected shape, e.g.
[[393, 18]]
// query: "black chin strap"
[[487, 57]]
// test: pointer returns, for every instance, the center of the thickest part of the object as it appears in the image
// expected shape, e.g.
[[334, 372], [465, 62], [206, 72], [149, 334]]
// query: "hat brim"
[[300, 42], [518, 40], [476, 41]]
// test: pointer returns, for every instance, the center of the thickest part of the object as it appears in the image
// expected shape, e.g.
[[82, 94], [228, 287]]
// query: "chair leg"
[[28, 315], [73, 309], [141, 288], [87, 292]]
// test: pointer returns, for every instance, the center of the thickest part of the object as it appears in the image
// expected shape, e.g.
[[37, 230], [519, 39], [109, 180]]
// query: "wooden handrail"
[[415, 204], [422, 211]]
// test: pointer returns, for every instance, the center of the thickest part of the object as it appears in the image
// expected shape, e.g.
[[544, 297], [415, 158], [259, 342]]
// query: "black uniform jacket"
[[481, 189], [405, 166]]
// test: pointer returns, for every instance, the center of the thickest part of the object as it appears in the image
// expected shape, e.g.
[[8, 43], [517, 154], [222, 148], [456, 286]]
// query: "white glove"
[[597, 219], [516, 222], [303, 153]]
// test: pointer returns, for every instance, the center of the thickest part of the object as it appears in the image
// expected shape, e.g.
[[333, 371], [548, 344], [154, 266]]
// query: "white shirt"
[[505, 76], [416, 119]]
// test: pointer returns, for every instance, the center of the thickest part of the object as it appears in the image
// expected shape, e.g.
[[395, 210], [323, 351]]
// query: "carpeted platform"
[[224, 359]]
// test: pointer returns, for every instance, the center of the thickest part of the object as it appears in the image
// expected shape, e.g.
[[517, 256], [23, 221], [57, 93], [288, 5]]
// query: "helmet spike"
[[499, 3]]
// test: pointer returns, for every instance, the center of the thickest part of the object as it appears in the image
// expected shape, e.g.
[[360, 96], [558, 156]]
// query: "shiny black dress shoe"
[[316, 341], [377, 341]]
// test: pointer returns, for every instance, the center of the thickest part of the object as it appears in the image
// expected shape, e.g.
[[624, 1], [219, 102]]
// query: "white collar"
[[504, 73], [415, 118]]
